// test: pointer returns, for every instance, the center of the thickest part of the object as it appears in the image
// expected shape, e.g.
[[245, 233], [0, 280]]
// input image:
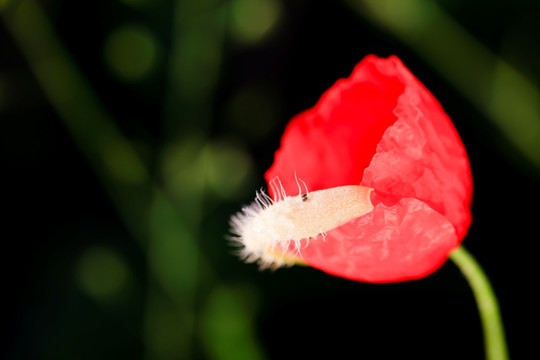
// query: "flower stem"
[[494, 340]]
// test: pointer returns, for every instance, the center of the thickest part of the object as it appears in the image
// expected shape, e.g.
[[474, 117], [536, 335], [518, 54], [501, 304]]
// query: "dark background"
[[104, 260]]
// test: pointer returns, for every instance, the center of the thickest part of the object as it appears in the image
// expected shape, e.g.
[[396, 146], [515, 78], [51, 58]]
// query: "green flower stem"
[[494, 340]]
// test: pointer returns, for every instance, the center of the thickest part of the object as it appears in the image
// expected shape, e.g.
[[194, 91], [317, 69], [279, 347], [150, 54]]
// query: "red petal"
[[331, 144], [422, 156], [403, 242]]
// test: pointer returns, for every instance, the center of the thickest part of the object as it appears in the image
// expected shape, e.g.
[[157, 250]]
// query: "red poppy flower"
[[383, 130]]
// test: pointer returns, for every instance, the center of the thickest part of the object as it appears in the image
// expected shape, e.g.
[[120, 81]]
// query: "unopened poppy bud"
[[383, 130]]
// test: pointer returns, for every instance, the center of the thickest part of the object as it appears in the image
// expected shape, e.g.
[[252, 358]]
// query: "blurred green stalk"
[[121, 172], [166, 230], [495, 87], [194, 65]]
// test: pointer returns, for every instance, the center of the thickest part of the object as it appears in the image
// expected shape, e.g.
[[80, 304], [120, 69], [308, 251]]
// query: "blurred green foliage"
[[176, 108], [103, 274], [131, 52], [498, 89]]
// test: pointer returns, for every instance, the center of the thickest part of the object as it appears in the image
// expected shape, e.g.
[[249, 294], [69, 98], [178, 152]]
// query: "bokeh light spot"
[[102, 273], [131, 52], [193, 165], [229, 169], [4, 3], [251, 20]]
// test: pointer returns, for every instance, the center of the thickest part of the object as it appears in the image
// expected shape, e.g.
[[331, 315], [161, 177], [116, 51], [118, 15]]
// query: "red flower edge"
[[381, 128]]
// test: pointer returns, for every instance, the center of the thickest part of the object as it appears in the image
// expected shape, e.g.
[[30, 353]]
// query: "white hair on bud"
[[265, 229]]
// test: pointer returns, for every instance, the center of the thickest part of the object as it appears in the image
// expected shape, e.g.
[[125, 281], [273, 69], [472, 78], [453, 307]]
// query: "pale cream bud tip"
[[265, 229]]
